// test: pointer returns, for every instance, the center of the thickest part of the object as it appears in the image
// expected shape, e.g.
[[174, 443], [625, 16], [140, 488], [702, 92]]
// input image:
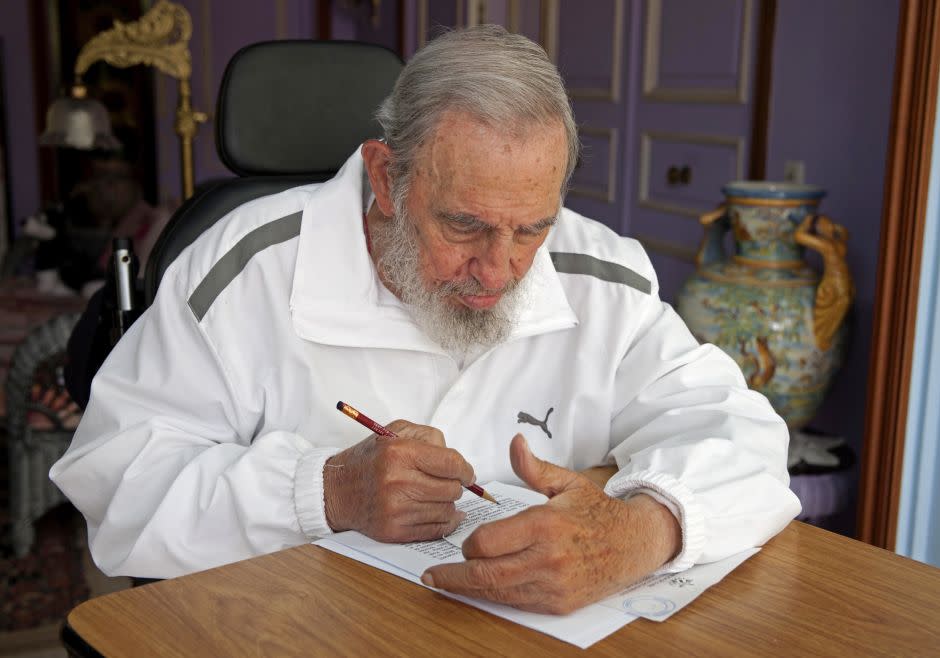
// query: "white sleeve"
[[166, 467], [692, 432]]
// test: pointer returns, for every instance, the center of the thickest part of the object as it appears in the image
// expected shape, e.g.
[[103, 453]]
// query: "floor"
[[43, 641], [38, 590]]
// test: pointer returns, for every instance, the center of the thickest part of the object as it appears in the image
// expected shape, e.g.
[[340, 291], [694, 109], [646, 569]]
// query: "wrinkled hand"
[[396, 489], [576, 549]]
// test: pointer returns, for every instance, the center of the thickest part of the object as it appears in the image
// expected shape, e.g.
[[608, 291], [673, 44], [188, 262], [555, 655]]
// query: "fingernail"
[[427, 579]]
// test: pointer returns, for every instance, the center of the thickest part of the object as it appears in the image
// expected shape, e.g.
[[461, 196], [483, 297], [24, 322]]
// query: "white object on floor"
[[38, 226], [813, 449], [49, 283]]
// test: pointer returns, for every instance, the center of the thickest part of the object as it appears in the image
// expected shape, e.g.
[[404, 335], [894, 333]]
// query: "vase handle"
[[716, 225], [836, 290]]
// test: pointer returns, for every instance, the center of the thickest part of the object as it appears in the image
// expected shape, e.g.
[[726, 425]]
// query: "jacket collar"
[[337, 298]]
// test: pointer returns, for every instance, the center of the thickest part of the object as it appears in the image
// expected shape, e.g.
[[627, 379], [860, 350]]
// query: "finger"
[[426, 488], [426, 434], [505, 536], [423, 433], [474, 576], [444, 463], [532, 597], [540, 475], [427, 531]]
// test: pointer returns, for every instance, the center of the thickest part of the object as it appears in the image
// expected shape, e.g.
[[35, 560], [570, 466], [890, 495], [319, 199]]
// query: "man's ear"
[[377, 156]]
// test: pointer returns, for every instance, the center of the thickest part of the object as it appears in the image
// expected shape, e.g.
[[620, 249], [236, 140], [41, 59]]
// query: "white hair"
[[501, 79]]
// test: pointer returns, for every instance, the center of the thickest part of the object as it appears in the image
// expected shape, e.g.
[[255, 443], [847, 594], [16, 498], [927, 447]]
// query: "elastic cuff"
[[308, 492], [678, 499], [659, 498]]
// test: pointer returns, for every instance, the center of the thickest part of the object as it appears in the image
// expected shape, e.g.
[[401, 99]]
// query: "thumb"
[[541, 475]]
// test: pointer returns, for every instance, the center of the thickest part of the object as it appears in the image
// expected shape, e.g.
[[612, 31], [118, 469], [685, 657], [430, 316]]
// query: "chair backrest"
[[289, 113]]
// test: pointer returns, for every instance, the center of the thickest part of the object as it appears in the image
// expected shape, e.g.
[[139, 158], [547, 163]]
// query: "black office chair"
[[289, 113]]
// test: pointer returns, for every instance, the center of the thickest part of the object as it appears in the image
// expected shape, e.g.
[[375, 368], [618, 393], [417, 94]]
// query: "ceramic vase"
[[781, 321]]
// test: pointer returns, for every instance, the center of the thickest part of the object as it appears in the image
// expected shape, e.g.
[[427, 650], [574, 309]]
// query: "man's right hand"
[[397, 489]]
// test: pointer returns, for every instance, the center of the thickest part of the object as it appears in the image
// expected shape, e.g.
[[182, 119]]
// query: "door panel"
[[693, 117], [717, 72], [592, 58], [679, 172]]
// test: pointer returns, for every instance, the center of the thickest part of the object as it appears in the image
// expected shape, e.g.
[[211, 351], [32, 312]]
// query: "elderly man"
[[436, 278]]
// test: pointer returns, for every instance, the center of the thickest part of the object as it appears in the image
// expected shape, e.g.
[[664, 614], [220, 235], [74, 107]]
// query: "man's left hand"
[[579, 547]]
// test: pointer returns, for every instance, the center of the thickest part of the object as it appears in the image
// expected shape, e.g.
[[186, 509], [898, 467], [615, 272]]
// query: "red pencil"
[[365, 421]]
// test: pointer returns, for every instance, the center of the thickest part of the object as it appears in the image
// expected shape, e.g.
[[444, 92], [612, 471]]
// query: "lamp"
[[159, 39], [78, 122]]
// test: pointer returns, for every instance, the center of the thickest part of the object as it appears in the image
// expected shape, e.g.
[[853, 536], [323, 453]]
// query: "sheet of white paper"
[[659, 597], [417, 557], [581, 628], [512, 500]]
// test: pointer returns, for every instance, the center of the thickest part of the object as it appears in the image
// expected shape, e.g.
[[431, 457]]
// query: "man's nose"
[[493, 265]]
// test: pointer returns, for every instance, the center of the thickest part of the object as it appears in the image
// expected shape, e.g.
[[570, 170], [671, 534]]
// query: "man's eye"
[[530, 233], [464, 229], [526, 237]]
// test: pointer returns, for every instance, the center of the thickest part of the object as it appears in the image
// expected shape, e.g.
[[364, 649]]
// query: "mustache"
[[472, 287]]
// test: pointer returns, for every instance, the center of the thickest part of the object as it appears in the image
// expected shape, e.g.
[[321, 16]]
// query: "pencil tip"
[[339, 405]]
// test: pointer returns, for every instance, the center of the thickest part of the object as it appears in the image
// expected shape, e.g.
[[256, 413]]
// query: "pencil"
[[381, 430]]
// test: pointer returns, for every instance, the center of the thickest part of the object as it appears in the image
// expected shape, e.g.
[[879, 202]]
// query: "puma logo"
[[531, 420]]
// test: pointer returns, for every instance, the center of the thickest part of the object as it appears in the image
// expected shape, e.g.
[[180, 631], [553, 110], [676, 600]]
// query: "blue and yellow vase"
[[764, 306]]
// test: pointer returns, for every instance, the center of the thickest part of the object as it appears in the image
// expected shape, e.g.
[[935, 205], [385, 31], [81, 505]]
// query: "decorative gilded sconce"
[[160, 38]]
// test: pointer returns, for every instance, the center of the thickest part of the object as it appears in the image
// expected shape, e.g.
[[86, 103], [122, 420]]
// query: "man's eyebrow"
[[540, 225], [472, 222], [465, 220]]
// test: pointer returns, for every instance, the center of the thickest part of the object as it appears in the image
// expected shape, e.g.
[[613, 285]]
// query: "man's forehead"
[[466, 151], [461, 135]]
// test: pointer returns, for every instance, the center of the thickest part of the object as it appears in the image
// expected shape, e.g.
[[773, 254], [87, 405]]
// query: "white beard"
[[454, 327]]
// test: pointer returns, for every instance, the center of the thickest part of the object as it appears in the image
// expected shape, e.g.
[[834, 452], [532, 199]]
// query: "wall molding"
[[611, 93], [646, 155], [902, 227], [607, 193], [653, 90], [423, 19], [668, 248], [280, 19]]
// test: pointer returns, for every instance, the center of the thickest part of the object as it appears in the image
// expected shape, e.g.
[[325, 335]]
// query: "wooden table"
[[809, 592]]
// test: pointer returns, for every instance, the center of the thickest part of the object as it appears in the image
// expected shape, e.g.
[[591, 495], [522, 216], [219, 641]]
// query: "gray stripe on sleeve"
[[569, 263], [233, 262]]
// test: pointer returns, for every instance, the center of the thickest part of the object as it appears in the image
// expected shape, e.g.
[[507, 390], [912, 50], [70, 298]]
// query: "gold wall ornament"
[[836, 291], [714, 233], [160, 38]]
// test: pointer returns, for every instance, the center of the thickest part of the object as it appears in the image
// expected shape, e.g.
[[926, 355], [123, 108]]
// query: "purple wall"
[[21, 128], [831, 98], [220, 29], [831, 105]]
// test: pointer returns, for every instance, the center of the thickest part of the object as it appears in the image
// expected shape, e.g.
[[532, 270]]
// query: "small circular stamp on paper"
[[649, 606]]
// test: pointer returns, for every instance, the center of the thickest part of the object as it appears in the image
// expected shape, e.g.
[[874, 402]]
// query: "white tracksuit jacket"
[[210, 422]]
